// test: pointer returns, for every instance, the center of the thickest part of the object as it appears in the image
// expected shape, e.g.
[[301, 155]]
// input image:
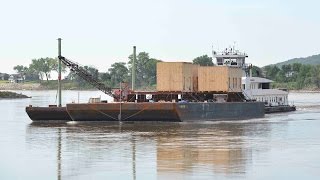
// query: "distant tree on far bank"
[[118, 73], [26, 73], [94, 72], [204, 60], [256, 71], [146, 68], [294, 76], [43, 67], [22, 70], [315, 71], [39, 69]]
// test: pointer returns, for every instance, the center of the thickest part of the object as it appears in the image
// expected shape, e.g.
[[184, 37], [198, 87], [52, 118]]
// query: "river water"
[[279, 146]]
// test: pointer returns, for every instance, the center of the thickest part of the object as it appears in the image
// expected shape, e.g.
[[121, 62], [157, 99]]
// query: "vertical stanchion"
[[59, 72], [120, 113]]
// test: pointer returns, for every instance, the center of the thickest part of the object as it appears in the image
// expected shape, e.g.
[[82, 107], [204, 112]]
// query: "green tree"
[[303, 76], [271, 71], [280, 76], [296, 67], [55, 65], [81, 82], [31, 75], [145, 69], [204, 60], [43, 67], [118, 73], [105, 77], [19, 68], [256, 71], [22, 70], [315, 71]]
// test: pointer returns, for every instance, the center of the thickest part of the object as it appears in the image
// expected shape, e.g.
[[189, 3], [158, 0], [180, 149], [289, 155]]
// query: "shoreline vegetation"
[[70, 85], [53, 85], [45, 85], [11, 95], [295, 77]]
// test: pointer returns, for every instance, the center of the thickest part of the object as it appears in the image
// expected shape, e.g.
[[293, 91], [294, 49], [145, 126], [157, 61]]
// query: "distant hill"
[[312, 60]]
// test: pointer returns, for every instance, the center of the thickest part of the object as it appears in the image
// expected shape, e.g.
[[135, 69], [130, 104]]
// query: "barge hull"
[[129, 112], [48, 113], [279, 109], [220, 111], [173, 112]]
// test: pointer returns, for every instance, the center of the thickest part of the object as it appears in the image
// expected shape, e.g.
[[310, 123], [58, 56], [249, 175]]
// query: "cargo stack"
[[188, 77], [219, 79], [177, 77]]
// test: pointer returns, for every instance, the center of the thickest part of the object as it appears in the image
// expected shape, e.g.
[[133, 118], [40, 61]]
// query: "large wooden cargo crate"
[[219, 79], [177, 76]]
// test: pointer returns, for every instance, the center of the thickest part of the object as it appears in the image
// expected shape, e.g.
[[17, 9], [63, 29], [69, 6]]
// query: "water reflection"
[[145, 150], [59, 155]]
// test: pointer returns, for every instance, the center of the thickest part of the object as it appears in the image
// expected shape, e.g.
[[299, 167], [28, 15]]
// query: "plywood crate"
[[177, 76], [219, 79], [235, 75]]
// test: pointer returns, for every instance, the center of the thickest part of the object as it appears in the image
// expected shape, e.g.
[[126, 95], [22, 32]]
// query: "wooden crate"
[[235, 75], [177, 76], [219, 79]]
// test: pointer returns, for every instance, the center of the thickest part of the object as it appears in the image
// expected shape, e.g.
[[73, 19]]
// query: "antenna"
[[212, 51]]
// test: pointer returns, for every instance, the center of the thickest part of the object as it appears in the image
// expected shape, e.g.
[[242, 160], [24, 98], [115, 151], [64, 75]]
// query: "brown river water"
[[279, 146]]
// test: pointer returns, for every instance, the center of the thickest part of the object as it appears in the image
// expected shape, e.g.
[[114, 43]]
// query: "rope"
[[193, 96], [136, 113], [90, 106], [246, 95], [131, 98], [238, 95]]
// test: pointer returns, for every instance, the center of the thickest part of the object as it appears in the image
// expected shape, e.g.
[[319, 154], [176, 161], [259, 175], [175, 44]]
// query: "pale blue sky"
[[100, 33]]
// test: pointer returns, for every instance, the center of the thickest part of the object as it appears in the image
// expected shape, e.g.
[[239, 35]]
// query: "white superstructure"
[[253, 88], [257, 88]]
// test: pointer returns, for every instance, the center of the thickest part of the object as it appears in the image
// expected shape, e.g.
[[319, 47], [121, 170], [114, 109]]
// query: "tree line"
[[42, 68], [39, 69], [294, 76]]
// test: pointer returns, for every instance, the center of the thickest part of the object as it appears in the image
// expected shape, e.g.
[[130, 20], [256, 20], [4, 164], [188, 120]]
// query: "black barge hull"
[[48, 113], [279, 109]]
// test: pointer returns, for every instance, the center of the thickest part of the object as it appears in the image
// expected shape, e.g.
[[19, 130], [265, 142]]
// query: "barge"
[[170, 112], [48, 113], [185, 92]]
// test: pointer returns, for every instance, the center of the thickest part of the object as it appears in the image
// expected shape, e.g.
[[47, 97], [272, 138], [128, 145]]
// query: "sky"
[[102, 32]]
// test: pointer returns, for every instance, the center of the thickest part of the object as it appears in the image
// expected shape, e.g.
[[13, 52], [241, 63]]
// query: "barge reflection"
[[143, 148]]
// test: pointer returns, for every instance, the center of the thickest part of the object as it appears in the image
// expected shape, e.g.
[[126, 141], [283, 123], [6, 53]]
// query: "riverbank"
[[70, 85], [20, 86], [53, 85], [11, 95], [305, 91], [50, 85]]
